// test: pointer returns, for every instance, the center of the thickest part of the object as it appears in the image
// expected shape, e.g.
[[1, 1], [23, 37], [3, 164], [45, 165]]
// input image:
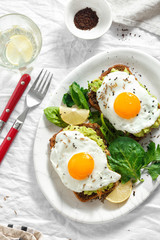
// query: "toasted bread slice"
[[99, 195]]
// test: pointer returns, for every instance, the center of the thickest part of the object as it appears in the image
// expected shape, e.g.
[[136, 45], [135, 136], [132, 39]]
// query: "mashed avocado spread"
[[103, 189], [96, 84], [87, 132]]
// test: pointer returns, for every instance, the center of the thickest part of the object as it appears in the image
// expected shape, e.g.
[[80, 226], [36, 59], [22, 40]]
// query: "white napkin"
[[144, 14], [19, 233]]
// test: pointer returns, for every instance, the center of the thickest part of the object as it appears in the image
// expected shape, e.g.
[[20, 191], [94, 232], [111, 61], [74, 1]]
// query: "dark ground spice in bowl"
[[86, 19]]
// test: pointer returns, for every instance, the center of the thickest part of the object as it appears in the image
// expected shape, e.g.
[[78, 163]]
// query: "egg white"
[[116, 83], [69, 143]]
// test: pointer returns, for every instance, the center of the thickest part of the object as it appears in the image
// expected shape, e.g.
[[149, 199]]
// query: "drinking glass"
[[20, 41]]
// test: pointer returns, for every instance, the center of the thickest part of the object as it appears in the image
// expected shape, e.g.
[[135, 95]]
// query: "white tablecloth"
[[61, 53]]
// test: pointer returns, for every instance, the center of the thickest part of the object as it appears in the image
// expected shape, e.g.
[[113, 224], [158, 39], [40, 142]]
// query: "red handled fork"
[[16, 95], [33, 98]]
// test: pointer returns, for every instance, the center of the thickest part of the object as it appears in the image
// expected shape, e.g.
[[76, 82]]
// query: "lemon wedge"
[[73, 116], [19, 50], [121, 193]]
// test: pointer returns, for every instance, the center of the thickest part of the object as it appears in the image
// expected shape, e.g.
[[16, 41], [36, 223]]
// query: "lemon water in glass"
[[20, 41]]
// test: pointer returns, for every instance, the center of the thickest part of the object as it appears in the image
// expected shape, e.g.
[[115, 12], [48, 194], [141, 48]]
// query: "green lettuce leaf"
[[109, 132], [85, 92], [153, 159], [154, 170], [95, 117], [127, 158], [78, 96], [53, 115], [67, 99], [152, 153], [107, 129]]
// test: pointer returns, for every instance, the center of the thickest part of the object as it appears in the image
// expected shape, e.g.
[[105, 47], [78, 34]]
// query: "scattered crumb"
[[134, 193], [5, 198], [1, 207], [15, 212]]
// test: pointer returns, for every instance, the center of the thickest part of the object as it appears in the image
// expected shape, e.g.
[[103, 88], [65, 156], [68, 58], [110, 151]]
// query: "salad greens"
[[153, 154], [67, 99], [154, 170], [153, 158], [77, 95], [53, 115], [109, 132], [128, 158], [95, 117]]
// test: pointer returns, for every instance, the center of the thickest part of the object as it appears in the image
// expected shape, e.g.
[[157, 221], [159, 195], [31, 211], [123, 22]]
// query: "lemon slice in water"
[[73, 116], [19, 50], [121, 193]]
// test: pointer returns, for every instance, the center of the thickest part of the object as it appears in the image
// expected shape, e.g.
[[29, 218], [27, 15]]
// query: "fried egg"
[[80, 163], [126, 103]]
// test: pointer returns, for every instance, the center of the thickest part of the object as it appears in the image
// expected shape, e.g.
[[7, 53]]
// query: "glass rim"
[[39, 31]]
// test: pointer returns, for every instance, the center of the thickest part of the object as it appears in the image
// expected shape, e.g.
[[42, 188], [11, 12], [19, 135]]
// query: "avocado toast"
[[97, 135], [95, 85]]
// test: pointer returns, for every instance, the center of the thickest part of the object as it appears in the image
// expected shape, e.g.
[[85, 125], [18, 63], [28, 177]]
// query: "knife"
[[16, 95]]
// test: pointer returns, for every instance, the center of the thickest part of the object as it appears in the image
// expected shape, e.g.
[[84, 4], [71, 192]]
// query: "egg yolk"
[[127, 105], [80, 166]]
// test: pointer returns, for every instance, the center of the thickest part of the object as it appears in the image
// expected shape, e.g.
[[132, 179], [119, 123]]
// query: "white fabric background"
[[61, 53]]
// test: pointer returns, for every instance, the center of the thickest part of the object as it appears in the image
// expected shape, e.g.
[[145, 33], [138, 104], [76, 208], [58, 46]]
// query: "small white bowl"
[[103, 11]]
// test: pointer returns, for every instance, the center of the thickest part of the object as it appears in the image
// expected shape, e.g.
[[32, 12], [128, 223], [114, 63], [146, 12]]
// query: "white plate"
[[147, 70]]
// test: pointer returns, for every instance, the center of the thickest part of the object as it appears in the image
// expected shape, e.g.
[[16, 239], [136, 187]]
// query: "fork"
[[33, 98]]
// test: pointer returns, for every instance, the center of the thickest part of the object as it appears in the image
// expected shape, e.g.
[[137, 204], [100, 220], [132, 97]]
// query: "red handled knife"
[[16, 95]]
